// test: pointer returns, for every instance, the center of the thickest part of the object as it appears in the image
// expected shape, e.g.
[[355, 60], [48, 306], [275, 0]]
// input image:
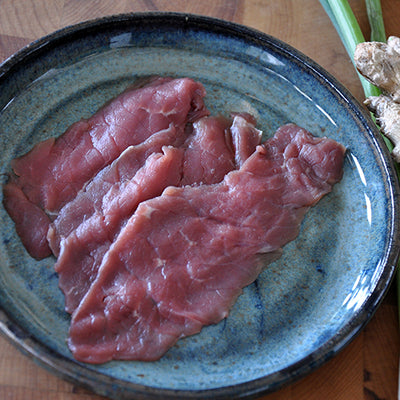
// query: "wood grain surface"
[[367, 369]]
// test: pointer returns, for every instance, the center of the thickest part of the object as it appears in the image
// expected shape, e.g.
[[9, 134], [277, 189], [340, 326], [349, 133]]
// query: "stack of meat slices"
[[159, 214]]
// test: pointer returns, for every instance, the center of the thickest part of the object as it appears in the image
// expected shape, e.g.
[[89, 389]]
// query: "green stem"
[[346, 24], [375, 18]]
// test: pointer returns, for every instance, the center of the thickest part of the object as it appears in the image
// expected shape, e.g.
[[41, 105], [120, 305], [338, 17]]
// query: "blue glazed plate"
[[303, 308]]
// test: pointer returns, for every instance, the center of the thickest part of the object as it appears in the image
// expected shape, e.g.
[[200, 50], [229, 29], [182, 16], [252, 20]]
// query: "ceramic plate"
[[303, 308]]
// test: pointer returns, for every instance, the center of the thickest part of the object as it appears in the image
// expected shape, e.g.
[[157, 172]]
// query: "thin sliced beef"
[[55, 170], [244, 144], [107, 202], [183, 258], [83, 250], [209, 154], [108, 184], [31, 223]]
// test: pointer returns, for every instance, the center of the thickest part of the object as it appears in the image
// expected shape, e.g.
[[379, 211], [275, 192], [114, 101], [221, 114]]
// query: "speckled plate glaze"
[[303, 308]]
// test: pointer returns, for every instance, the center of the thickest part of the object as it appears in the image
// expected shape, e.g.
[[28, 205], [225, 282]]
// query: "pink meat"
[[183, 258], [54, 171], [209, 154], [86, 226], [31, 222], [108, 183], [83, 250], [244, 144]]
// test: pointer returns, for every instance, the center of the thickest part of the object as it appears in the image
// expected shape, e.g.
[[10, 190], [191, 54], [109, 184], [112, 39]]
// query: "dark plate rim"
[[105, 385]]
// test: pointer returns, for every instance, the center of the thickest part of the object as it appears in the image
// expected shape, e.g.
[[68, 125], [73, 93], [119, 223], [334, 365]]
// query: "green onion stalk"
[[375, 18], [345, 23]]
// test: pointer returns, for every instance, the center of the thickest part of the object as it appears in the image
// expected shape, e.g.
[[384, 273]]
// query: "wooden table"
[[368, 367]]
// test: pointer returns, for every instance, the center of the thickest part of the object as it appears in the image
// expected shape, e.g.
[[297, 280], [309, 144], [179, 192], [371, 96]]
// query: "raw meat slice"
[[183, 258], [209, 155], [110, 181], [83, 250], [89, 145], [87, 225], [31, 222], [244, 144], [54, 171]]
